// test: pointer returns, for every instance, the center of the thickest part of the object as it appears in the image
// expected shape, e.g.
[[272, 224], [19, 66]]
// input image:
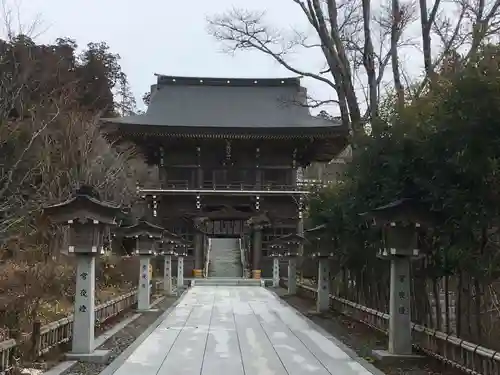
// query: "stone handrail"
[[242, 255], [466, 356], [60, 331], [207, 257]]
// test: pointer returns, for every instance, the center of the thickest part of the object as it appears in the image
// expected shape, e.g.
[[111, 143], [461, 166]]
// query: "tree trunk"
[[369, 64], [396, 75]]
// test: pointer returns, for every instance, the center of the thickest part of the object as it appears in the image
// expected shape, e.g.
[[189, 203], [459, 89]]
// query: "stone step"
[[228, 281], [225, 258]]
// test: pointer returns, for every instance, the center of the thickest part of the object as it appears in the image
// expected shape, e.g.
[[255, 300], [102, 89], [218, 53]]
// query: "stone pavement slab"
[[238, 330]]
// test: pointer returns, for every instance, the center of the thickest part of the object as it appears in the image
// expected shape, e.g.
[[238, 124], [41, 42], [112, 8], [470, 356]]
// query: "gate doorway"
[[225, 228]]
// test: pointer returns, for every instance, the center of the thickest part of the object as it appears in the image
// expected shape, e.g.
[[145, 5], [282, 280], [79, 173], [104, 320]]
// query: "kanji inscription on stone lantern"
[[180, 251]]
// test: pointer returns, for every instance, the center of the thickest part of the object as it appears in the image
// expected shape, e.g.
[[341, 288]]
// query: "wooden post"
[[35, 339]]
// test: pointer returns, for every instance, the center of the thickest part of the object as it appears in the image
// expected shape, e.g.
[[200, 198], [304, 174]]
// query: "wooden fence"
[[59, 332], [469, 357]]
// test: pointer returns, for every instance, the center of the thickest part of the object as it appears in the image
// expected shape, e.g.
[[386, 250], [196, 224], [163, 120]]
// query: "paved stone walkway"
[[234, 330]]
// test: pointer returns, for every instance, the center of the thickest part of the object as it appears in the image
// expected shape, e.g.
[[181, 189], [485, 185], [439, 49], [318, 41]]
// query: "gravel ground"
[[362, 339], [121, 340]]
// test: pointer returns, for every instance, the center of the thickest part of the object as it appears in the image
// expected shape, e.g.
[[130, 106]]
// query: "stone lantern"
[[399, 222], [167, 250], [288, 248], [147, 236], [323, 252], [276, 251], [88, 219], [180, 251]]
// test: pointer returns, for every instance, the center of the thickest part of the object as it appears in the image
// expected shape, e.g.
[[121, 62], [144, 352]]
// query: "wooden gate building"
[[228, 151]]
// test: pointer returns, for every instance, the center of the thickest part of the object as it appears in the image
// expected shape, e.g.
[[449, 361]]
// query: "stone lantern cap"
[[88, 219], [180, 249], [148, 236], [286, 246], [143, 228], [400, 221], [405, 211], [83, 206], [169, 243], [321, 246]]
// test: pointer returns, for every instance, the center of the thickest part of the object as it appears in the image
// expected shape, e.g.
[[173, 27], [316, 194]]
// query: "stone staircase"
[[225, 258]]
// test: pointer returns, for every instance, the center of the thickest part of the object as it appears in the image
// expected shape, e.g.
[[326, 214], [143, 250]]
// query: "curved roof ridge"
[[163, 79]]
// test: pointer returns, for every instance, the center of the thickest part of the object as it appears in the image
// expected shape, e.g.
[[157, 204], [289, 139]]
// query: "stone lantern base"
[[386, 357], [97, 356]]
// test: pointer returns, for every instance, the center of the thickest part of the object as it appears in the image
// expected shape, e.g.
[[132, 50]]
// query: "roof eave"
[[168, 129]]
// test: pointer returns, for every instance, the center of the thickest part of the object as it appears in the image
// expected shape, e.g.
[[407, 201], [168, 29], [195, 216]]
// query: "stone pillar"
[[198, 255], [292, 275], [276, 272], [180, 272], [143, 302], [323, 301], [257, 252], [399, 307], [300, 232], [167, 275], [84, 314]]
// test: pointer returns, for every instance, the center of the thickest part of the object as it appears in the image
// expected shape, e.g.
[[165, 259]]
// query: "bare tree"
[[461, 27], [359, 41], [49, 143], [342, 32]]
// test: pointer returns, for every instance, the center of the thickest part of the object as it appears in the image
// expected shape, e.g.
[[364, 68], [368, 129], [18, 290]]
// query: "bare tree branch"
[[6, 180], [395, 34], [343, 33]]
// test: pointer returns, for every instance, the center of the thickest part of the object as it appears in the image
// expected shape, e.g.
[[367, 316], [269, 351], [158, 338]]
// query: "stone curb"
[[63, 366], [118, 361]]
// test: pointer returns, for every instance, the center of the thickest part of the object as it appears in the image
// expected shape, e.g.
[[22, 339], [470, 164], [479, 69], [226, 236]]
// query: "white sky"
[[166, 36]]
